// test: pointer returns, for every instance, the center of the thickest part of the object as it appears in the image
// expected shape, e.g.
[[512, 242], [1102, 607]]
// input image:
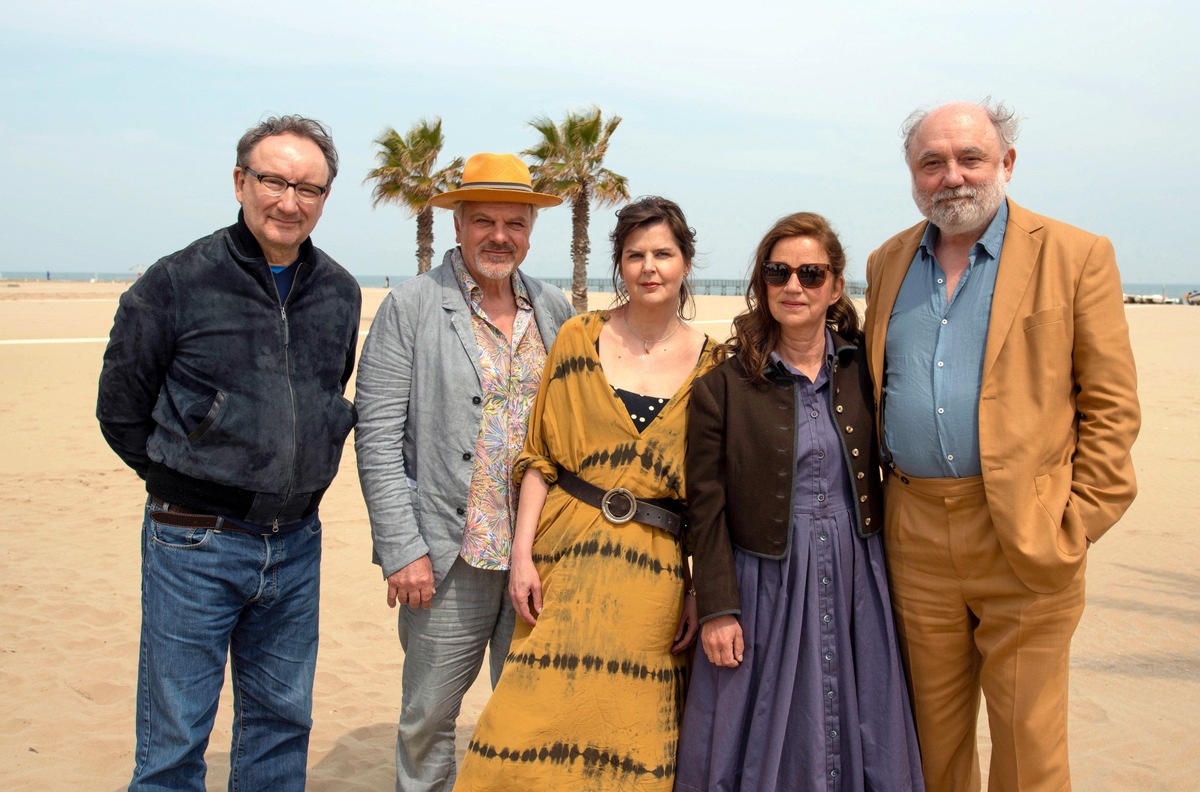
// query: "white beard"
[[963, 217]]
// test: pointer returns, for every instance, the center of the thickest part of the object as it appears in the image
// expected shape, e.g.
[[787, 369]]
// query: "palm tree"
[[569, 163], [406, 177]]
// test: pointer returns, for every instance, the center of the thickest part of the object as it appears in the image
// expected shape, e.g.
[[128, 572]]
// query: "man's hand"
[[412, 585]]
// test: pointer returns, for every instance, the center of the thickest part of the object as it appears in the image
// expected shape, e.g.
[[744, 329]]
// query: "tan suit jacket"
[[1058, 407]]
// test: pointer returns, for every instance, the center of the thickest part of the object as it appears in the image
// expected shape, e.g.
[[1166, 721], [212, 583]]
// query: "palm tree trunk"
[[424, 239], [580, 247]]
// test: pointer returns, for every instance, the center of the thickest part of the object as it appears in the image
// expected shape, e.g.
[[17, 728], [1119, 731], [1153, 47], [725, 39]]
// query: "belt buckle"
[[612, 498]]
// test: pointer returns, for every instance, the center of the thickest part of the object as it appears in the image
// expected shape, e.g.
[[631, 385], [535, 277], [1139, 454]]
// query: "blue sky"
[[118, 120]]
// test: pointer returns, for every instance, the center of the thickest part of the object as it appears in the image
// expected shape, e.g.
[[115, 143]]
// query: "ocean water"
[[708, 286], [733, 287]]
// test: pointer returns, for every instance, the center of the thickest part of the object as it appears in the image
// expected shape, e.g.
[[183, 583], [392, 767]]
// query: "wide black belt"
[[619, 505]]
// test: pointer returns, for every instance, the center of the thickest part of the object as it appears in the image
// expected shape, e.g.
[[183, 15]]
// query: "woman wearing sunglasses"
[[799, 684]]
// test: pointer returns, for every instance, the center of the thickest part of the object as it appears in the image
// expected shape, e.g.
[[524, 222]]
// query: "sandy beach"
[[70, 577]]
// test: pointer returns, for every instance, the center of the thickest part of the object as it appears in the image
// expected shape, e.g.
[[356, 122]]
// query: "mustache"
[[955, 192], [491, 247]]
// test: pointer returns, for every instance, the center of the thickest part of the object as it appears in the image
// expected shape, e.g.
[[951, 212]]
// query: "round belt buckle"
[[618, 505]]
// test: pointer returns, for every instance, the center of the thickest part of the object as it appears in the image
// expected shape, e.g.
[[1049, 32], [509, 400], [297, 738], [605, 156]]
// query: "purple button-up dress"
[[819, 701]]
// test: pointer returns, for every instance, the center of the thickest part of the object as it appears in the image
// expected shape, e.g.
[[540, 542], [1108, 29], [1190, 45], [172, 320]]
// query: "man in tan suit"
[[1007, 400]]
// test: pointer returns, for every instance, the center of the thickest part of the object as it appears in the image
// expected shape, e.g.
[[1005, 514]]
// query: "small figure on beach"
[[1007, 399], [800, 684], [592, 691], [445, 387], [202, 393]]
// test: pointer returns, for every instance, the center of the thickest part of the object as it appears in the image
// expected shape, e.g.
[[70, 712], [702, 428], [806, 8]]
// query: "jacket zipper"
[[287, 365]]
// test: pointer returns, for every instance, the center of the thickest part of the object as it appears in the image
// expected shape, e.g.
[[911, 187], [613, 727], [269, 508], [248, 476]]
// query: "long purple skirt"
[[819, 701]]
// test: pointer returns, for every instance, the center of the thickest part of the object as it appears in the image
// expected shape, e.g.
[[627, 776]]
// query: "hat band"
[[496, 186]]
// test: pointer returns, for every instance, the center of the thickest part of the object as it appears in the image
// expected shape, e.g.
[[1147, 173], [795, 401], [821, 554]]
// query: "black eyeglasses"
[[811, 276], [274, 185]]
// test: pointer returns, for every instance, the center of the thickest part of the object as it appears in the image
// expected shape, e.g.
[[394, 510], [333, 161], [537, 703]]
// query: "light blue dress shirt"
[[933, 361]]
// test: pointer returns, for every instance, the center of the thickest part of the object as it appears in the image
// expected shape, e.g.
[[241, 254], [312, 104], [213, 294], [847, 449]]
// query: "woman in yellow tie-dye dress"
[[592, 691]]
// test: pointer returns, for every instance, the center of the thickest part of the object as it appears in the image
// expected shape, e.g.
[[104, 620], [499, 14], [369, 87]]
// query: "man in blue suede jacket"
[[223, 387]]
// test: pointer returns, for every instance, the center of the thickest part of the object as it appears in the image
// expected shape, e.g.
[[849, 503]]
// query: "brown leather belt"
[[619, 505], [182, 518]]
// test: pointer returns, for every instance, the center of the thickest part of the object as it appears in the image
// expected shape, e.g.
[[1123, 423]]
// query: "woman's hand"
[[525, 587], [721, 639], [689, 621]]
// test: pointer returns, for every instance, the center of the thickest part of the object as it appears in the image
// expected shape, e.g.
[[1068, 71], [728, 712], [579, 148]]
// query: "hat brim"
[[490, 195]]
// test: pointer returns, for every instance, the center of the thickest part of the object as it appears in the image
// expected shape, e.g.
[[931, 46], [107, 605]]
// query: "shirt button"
[[849, 430], [467, 455], [821, 499], [853, 452], [940, 280], [833, 773], [833, 734], [824, 537], [945, 321], [941, 410], [814, 414], [827, 580], [862, 498], [829, 695], [861, 474], [827, 618], [949, 457], [476, 400], [840, 408], [829, 656], [867, 521], [940, 364]]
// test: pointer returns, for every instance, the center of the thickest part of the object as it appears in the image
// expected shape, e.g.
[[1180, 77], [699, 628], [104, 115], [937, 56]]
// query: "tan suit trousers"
[[967, 624]]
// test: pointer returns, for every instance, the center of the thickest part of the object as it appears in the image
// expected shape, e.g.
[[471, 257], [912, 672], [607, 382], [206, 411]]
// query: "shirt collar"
[[472, 292], [990, 242], [783, 367]]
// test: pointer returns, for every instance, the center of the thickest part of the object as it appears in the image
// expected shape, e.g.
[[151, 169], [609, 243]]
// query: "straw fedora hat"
[[502, 178]]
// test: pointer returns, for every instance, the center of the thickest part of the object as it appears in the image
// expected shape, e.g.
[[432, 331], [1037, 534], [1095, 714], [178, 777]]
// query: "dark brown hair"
[[648, 211], [755, 331]]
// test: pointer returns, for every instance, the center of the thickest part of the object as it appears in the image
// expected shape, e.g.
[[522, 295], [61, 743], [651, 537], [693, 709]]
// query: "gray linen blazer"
[[419, 396]]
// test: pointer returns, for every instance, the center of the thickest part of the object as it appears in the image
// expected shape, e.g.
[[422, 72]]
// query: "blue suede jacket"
[[225, 401]]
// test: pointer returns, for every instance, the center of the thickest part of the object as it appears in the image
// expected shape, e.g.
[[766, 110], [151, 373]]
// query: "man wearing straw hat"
[[445, 386]]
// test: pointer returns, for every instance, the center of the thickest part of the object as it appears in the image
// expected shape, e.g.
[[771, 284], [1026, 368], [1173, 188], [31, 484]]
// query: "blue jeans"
[[443, 653], [207, 594]]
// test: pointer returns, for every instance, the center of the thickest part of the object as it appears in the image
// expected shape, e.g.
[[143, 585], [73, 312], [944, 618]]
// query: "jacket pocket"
[[210, 417], [1049, 316], [1054, 493]]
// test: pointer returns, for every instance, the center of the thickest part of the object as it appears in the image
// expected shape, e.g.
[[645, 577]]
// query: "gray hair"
[[1004, 120], [298, 125], [459, 206]]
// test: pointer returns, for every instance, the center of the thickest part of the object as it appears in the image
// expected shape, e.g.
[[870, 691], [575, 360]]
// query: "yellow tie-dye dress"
[[591, 697]]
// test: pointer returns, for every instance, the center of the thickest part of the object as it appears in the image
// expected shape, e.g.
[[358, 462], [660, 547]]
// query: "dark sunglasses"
[[811, 276]]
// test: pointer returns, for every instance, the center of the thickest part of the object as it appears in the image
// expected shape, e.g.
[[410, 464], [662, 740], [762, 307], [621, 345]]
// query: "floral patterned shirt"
[[511, 371]]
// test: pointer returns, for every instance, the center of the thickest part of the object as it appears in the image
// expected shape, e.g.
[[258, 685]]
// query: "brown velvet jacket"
[[740, 465]]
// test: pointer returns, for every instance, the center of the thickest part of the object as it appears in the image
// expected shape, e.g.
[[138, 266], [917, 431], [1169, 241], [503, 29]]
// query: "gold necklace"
[[647, 344]]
